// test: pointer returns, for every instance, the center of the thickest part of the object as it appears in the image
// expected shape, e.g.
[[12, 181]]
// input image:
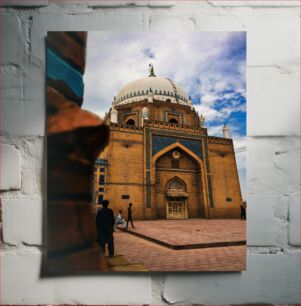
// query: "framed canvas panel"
[[146, 151]]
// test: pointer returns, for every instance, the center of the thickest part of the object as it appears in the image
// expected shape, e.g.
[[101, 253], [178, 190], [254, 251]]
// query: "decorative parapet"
[[144, 102], [219, 140], [175, 127], [125, 128]]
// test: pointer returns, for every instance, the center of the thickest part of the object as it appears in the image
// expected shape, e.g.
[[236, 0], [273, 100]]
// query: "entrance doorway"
[[176, 205], [176, 208]]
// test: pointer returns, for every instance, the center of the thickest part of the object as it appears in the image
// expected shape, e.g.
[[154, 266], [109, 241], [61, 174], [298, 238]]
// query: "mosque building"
[[161, 159]]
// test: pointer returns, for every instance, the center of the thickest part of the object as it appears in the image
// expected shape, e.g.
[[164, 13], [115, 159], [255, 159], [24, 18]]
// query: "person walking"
[[242, 212], [105, 226], [130, 216]]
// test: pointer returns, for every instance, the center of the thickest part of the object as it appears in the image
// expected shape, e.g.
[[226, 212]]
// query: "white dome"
[[161, 88]]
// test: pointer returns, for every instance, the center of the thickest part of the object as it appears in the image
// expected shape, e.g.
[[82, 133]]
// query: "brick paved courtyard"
[[155, 257], [192, 231]]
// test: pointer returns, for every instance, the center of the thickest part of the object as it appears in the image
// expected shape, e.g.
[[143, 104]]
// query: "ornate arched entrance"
[[176, 199], [179, 187]]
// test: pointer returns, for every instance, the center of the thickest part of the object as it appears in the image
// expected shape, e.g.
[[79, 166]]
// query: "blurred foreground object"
[[75, 138]]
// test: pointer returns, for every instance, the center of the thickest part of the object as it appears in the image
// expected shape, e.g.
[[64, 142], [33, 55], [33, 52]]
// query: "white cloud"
[[197, 63]]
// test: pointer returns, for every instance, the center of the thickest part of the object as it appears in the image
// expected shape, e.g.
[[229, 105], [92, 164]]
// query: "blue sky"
[[209, 66]]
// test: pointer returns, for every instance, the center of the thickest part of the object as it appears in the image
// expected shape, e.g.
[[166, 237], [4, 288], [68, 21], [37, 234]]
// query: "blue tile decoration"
[[101, 162], [58, 69], [161, 142], [148, 180], [209, 175]]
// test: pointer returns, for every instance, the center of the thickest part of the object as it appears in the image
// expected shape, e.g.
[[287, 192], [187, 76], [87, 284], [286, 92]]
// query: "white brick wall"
[[23, 285], [273, 75], [272, 278], [10, 167]]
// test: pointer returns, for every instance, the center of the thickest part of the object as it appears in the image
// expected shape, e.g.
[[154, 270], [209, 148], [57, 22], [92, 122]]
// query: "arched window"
[[176, 185], [173, 120], [130, 122]]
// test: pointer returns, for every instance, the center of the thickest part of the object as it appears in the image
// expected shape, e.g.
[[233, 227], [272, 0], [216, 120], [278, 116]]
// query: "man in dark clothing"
[[130, 216], [242, 212], [105, 225]]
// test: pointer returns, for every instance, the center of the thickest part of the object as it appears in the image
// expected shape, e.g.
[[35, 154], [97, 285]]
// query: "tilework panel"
[[159, 143], [58, 69]]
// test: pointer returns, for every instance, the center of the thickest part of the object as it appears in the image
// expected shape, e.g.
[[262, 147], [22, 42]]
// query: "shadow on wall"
[[75, 137]]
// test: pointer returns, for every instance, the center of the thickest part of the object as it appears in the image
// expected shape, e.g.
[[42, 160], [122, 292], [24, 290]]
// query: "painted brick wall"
[[273, 85]]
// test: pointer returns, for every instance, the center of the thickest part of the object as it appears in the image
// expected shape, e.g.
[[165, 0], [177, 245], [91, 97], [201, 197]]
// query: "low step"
[[186, 246]]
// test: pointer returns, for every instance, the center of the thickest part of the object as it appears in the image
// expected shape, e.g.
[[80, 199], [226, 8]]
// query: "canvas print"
[[146, 152]]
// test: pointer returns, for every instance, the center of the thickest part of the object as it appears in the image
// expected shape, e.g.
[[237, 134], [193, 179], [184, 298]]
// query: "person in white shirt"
[[119, 220]]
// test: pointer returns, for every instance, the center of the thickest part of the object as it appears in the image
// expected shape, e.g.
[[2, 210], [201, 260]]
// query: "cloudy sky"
[[209, 66]]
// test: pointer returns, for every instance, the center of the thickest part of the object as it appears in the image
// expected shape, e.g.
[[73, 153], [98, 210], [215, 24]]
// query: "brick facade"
[[140, 165]]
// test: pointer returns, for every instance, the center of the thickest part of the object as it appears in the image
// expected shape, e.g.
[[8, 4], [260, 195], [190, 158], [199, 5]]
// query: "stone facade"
[[162, 161]]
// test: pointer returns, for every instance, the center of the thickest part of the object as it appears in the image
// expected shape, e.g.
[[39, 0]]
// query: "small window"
[[125, 197], [229, 199], [101, 179], [173, 120], [130, 122], [101, 189], [100, 199], [102, 169]]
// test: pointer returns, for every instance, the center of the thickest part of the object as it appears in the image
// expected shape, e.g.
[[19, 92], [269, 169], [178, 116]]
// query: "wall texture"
[[273, 179]]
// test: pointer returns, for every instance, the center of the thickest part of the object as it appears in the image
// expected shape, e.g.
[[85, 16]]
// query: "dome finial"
[[151, 70]]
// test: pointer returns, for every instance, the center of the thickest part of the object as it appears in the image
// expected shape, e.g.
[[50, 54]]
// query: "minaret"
[[226, 131], [151, 70], [150, 96], [114, 115], [190, 103], [145, 114], [202, 120]]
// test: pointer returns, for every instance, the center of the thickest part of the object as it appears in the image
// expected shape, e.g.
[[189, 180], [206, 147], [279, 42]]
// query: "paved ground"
[[154, 257], [192, 231]]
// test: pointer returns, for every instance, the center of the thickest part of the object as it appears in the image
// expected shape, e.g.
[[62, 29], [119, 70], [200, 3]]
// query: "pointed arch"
[[173, 146], [130, 122], [176, 184], [195, 158]]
